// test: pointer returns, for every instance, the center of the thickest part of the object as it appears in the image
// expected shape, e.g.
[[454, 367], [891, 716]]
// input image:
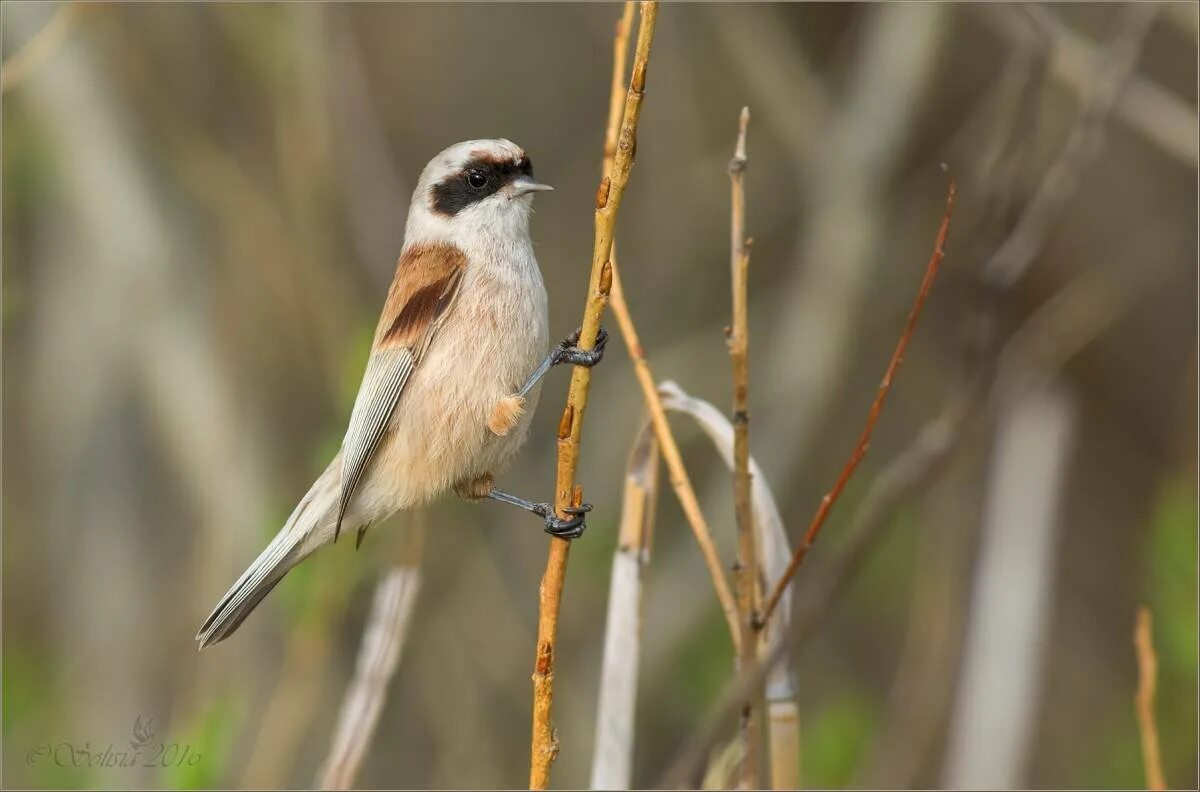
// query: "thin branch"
[[1147, 661], [680, 481], [746, 573], [616, 95], [860, 450], [544, 744]]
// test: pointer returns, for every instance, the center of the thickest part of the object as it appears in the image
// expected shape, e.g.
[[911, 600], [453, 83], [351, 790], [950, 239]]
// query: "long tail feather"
[[300, 535]]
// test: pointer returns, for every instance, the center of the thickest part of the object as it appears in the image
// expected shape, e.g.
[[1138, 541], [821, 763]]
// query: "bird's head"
[[472, 186]]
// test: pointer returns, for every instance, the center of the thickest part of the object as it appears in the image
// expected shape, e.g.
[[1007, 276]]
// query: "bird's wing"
[[423, 291]]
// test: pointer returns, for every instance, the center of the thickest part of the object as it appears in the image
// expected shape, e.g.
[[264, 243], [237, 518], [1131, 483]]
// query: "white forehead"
[[454, 158]]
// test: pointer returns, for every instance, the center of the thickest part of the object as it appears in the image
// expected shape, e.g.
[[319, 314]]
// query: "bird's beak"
[[523, 186]]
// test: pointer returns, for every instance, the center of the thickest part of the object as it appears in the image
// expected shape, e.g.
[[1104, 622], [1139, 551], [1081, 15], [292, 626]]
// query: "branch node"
[[606, 278], [638, 84], [602, 192], [564, 423]]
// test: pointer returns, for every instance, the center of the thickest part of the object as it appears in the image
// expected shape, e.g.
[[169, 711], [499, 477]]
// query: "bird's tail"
[[304, 531]]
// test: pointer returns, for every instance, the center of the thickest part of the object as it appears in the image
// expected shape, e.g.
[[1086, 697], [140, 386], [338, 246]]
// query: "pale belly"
[[438, 434]]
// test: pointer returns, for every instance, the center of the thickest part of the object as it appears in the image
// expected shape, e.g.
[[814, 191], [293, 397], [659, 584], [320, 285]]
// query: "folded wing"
[[421, 296]]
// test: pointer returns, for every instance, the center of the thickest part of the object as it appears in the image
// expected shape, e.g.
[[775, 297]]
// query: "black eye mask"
[[478, 179]]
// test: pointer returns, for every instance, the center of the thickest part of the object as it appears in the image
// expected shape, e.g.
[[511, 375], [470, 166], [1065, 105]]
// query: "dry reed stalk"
[[612, 761], [860, 450], [746, 577], [544, 744], [783, 742], [1147, 662], [378, 656], [783, 715]]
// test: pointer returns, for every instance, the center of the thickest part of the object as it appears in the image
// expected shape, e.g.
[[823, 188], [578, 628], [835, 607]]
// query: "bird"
[[453, 376]]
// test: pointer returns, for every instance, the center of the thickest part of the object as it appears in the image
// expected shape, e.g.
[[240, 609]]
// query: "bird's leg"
[[571, 528], [485, 487], [508, 411], [567, 351]]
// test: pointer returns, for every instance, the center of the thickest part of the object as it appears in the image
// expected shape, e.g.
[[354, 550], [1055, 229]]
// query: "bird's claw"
[[568, 350], [571, 528]]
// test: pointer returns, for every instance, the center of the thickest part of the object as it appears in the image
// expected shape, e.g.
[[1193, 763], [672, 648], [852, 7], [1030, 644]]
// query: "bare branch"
[[864, 439], [544, 746], [746, 573]]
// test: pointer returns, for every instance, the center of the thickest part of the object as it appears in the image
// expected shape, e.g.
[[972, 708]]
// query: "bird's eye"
[[477, 179]]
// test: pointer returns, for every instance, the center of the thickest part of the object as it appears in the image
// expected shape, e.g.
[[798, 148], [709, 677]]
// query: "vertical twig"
[[1147, 661], [544, 745], [860, 450], [746, 575], [616, 94]]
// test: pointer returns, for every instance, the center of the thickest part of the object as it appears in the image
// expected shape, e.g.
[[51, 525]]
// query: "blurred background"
[[202, 208]]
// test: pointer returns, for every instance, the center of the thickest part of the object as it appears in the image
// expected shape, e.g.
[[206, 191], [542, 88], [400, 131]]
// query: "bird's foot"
[[564, 528], [568, 350], [570, 528]]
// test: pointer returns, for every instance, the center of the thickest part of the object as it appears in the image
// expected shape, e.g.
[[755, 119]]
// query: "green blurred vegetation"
[[1171, 593], [835, 739]]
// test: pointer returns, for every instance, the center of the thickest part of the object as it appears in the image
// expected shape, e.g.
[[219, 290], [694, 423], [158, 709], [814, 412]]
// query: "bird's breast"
[[489, 342]]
